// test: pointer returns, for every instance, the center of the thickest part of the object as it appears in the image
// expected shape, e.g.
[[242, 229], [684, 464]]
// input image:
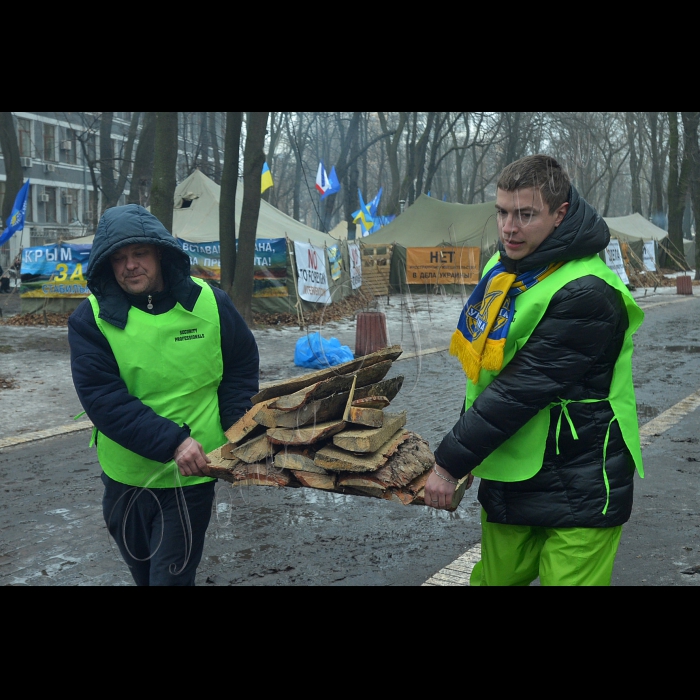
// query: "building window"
[[69, 147], [24, 130], [48, 198], [70, 205], [49, 142]]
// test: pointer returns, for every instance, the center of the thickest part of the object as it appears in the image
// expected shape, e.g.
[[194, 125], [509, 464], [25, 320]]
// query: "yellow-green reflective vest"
[[172, 362], [520, 457]]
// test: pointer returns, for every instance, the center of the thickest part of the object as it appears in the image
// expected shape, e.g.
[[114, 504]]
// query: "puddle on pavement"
[[646, 413], [687, 349]]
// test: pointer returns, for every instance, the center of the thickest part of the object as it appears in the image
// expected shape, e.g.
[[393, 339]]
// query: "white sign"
[[355, 265], [649, 256], [312, 277], [613, 259]]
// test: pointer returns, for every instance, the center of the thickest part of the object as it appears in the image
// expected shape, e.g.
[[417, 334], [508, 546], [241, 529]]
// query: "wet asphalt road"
[[52, 532]]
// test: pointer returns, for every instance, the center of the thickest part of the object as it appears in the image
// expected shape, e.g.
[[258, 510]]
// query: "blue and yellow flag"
[[363, 216], [266, 180], [19, 211]]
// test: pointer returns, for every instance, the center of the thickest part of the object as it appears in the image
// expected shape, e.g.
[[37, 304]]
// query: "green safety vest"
[[172, 362], [521, 456]]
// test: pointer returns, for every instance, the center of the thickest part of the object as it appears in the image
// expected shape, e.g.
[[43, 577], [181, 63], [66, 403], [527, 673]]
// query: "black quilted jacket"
[[570, 355]]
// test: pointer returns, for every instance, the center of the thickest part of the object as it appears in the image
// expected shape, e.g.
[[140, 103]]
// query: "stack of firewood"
[[329, 430]]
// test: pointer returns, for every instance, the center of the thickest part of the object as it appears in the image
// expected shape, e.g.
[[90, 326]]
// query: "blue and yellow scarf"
[[480, 338]]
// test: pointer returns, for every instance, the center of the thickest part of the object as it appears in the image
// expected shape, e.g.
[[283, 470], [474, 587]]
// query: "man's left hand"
[[438, 493]]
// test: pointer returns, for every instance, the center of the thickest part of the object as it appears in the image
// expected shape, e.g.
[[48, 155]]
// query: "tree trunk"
[[253, 161], [634, 163], [108, 183], [164, 168], [677, 188], [142, 176], [13, 169], [657, 174], [393, 206], [215, 147], [227, 204], [690, 128]]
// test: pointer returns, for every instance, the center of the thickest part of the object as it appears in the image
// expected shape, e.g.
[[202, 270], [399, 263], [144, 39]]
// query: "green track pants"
[[515, 555]]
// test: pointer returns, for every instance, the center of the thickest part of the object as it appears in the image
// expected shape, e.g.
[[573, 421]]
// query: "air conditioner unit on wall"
[[25, 162], [44, 197], [68, 199], [66, 145], [49, 167]]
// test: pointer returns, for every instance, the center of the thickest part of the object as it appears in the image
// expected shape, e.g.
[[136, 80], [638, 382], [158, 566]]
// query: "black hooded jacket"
[[102, 392], [570, 355]]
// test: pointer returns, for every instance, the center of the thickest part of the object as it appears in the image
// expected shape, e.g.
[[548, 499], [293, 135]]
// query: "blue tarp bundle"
[[316, 352]]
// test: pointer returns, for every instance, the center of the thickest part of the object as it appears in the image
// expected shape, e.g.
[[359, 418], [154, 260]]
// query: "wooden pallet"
[[376, 266]]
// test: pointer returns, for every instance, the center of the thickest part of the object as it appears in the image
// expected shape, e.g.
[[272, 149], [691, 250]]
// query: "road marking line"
[[42, 434], [659, 425], [662, 303], [457, 573]]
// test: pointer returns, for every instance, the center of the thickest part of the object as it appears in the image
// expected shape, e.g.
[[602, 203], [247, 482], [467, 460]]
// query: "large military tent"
[[196, 223], [431, 224]]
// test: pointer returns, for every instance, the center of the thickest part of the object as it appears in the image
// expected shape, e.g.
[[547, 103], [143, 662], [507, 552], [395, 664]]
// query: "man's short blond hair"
[[541, 172]]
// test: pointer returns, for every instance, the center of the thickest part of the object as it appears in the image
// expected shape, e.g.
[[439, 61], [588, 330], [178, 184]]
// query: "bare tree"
[[690, 130], [253, 160], [633, 129], [113, 179], [142, 175], [227, 203], [678, 181], [165, 167], [393, 206]]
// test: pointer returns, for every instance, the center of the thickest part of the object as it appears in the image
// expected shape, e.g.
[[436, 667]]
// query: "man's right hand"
[[191, 459]]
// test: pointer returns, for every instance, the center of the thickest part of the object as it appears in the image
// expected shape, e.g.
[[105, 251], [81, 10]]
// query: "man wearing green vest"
[[163, 364], [549, 422]]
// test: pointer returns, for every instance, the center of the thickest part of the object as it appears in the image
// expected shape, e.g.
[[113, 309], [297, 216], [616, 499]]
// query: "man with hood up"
[[549, 422], [163, 365]]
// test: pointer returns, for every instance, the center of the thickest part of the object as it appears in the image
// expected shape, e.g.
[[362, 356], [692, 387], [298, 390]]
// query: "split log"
[[320, 390], [318, 411], [411, 494], [259, 475], [401, 478], [293, 385], [413, 459], [370, 417], [256, 450], [246, 426], [387, 388], [338, 460], [366, 441], [297, 461], [219, 466], [325, 482], [304, 436], [371, 402]]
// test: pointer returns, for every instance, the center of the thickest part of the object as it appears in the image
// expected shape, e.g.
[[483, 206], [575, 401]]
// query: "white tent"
[[196, 215], [634, 227]]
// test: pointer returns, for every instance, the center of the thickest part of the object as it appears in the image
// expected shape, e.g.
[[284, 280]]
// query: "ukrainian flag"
[[266, 180], [363, 215]]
